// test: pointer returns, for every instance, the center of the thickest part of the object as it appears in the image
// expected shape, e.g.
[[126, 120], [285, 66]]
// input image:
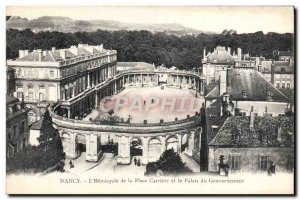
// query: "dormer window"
[[282, 69], [245, 94], [269, 96], [235, 138]]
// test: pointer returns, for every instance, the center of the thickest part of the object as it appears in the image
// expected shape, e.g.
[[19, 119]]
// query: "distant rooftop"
[[220, 56], [135, 65], [55, 55], [253, 84]]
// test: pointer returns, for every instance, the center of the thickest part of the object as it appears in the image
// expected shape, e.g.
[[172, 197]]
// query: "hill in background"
[[66, 24]]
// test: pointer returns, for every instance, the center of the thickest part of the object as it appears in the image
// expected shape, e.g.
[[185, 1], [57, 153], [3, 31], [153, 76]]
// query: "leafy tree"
[[37, 159], [169, 163]]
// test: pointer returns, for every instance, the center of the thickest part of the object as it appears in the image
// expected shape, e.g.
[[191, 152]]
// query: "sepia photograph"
[[150, 100]]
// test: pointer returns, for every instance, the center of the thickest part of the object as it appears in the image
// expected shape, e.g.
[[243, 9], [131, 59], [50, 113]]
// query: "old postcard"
[[150, 100]]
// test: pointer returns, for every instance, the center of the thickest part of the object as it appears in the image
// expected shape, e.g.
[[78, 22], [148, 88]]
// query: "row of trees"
[[184, 52]]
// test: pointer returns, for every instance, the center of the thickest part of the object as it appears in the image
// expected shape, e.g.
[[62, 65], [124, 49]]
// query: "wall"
[[249, 157]]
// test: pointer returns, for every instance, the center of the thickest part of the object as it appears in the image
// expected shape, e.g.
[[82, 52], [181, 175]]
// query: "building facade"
[[17, 130], [64, 75], [253, 144]]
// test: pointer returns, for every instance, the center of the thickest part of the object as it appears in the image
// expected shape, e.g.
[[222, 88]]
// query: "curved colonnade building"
[[75, 79]]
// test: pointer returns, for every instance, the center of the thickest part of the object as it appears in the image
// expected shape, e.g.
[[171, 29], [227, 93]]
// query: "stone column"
[[202, 88], [92, 147], [88, 81], [73, 90], [96, 99], [191, 143], [163, 144], [69, 112], [179, 143], [69, 145], [123, 150], [145, 151]]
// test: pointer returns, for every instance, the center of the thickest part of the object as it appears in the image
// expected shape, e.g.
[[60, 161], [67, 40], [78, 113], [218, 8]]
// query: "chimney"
[[62, 53], [99, 47], [279, 131], [44, 53], [21, 53], [239, 54], [223, 80], [204, 52], [291, 62], [74, 50], [26, 52], [272, 71], [229, 50], [40, 53], [252, 117], [53, 49]]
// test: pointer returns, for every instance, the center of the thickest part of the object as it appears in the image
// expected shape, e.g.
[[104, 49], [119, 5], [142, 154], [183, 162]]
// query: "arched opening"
[[184, 142], [80, 144], [136, 147], [154, 148], [172, 143]]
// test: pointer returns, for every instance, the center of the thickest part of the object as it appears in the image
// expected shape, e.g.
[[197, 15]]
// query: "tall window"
[[51, 73], [19, 95], [41, 96], [283, 85], [278, 85], [14, 130], [263, 163], [22, 127], [288, 85], [30, 95], [19, 72], [235, 162]]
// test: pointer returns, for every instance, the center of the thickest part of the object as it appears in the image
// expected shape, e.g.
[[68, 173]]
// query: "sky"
[[214, 19]]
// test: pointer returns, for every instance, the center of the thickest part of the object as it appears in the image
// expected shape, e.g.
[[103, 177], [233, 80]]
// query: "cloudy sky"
[[216, 19]]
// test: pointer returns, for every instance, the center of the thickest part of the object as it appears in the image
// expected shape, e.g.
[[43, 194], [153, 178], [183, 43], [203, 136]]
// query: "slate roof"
[[10, 99], [54, 55], [213, 118], [37, 125], [253, 83], [265, 132]]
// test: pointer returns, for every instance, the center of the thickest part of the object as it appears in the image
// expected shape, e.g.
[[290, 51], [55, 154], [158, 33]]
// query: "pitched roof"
[[253, 84], [220, 56], [37, 125], [214, 93], [285, 53], [264, 133], [213, 119], [10, 99]]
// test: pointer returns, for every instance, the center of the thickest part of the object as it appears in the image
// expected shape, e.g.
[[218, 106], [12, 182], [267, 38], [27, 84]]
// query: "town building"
[[242, 89], [253, 144], [279, 73], [17, 130], [10, 81], [66, 75]]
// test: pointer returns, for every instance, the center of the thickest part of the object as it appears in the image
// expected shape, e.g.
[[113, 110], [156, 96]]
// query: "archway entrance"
[[184, 142], [136, 147], [80, 144], [172, 143]]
